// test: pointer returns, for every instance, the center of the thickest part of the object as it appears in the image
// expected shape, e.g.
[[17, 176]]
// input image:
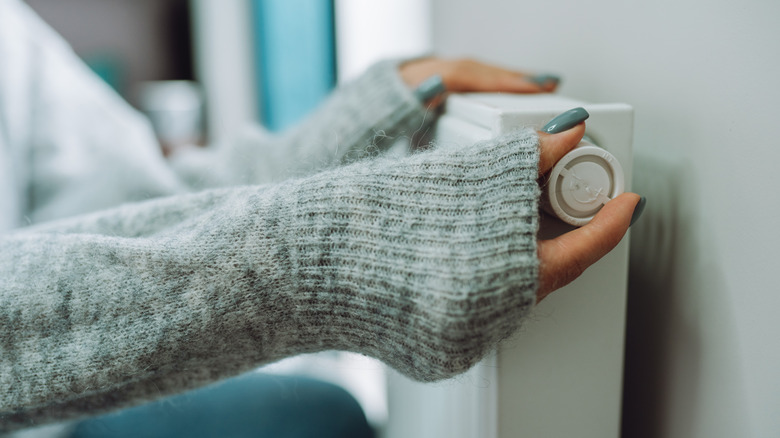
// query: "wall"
[[368, 31], [702, 349]]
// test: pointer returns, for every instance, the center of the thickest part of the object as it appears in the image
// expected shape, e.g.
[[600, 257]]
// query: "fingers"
[[564, 258], [473, 76], [465, 75], [552, 147]]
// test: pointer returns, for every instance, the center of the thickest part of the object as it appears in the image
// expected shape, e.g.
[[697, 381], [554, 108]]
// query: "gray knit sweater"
[[424, 262]]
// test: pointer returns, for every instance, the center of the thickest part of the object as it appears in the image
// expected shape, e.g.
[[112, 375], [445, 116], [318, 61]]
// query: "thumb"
[[565, 257]]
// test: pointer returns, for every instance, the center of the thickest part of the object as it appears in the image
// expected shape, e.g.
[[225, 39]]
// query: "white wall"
[[368, 31], [703, 356]]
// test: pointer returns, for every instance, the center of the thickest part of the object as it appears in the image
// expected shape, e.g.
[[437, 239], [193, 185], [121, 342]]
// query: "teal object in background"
[[109, 67], [295, 56], [253, 405]]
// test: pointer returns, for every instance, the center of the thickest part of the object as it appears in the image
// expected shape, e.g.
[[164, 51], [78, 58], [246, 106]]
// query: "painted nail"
[[640, 207], [544, 79], [566, 121], [430, 88]]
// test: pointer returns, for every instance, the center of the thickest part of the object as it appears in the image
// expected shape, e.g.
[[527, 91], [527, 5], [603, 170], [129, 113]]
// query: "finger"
[[502, 80], [511, 82], [521, 82], [548, 82], [564, 258], [552, 147], [491, 79], [514, 81], [467, 75]]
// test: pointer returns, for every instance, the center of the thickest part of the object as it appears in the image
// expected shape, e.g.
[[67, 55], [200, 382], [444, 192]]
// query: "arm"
[[358, 120], [424, 262]]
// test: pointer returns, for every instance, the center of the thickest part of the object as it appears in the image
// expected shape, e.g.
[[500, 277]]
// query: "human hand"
[[466, 75], [565, 257]]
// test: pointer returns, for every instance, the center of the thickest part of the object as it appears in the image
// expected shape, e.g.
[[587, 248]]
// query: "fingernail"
[[543, 79], [640, 207], [566, 121], [430, 88]]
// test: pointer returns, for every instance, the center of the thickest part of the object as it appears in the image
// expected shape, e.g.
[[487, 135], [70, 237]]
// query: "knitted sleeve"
[[424, 262], [359, 119], [76, 146]]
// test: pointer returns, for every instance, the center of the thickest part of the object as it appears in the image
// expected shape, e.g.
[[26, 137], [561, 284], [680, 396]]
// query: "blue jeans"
[[252, 405]]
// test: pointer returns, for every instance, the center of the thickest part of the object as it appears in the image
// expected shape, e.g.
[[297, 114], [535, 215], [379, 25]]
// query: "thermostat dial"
[[581, 183]]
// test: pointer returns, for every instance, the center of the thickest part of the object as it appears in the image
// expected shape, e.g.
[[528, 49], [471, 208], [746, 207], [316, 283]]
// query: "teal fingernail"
[[544, 79], [566, 121], [640, 207], [430, 88]]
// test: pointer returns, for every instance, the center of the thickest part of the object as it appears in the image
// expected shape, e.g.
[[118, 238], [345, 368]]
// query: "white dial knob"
[[581, 183]]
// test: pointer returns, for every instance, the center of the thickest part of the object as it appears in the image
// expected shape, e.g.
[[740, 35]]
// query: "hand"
[[564, 258], [466, 75]]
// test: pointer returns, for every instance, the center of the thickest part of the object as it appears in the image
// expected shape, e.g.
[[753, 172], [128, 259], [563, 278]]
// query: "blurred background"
[[242, 61], [702, 355]]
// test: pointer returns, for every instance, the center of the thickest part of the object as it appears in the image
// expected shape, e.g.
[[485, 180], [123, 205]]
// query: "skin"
[[564, 258], [467, 75]]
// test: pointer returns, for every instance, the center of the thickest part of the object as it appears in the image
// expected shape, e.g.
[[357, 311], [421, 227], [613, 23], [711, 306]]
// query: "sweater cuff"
[[382, 83], [388, 108]]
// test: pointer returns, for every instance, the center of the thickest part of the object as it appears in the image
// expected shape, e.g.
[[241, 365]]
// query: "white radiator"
[[561, 375]]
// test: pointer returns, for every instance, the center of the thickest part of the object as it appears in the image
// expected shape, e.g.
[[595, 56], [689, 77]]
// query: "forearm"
[[113, 307], [423, 262], [360, 119]]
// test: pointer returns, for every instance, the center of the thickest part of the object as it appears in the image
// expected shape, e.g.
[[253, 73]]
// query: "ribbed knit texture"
[[424, 262]]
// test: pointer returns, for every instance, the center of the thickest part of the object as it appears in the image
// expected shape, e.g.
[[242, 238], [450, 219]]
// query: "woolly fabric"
[[359, 120], [424, 262]]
